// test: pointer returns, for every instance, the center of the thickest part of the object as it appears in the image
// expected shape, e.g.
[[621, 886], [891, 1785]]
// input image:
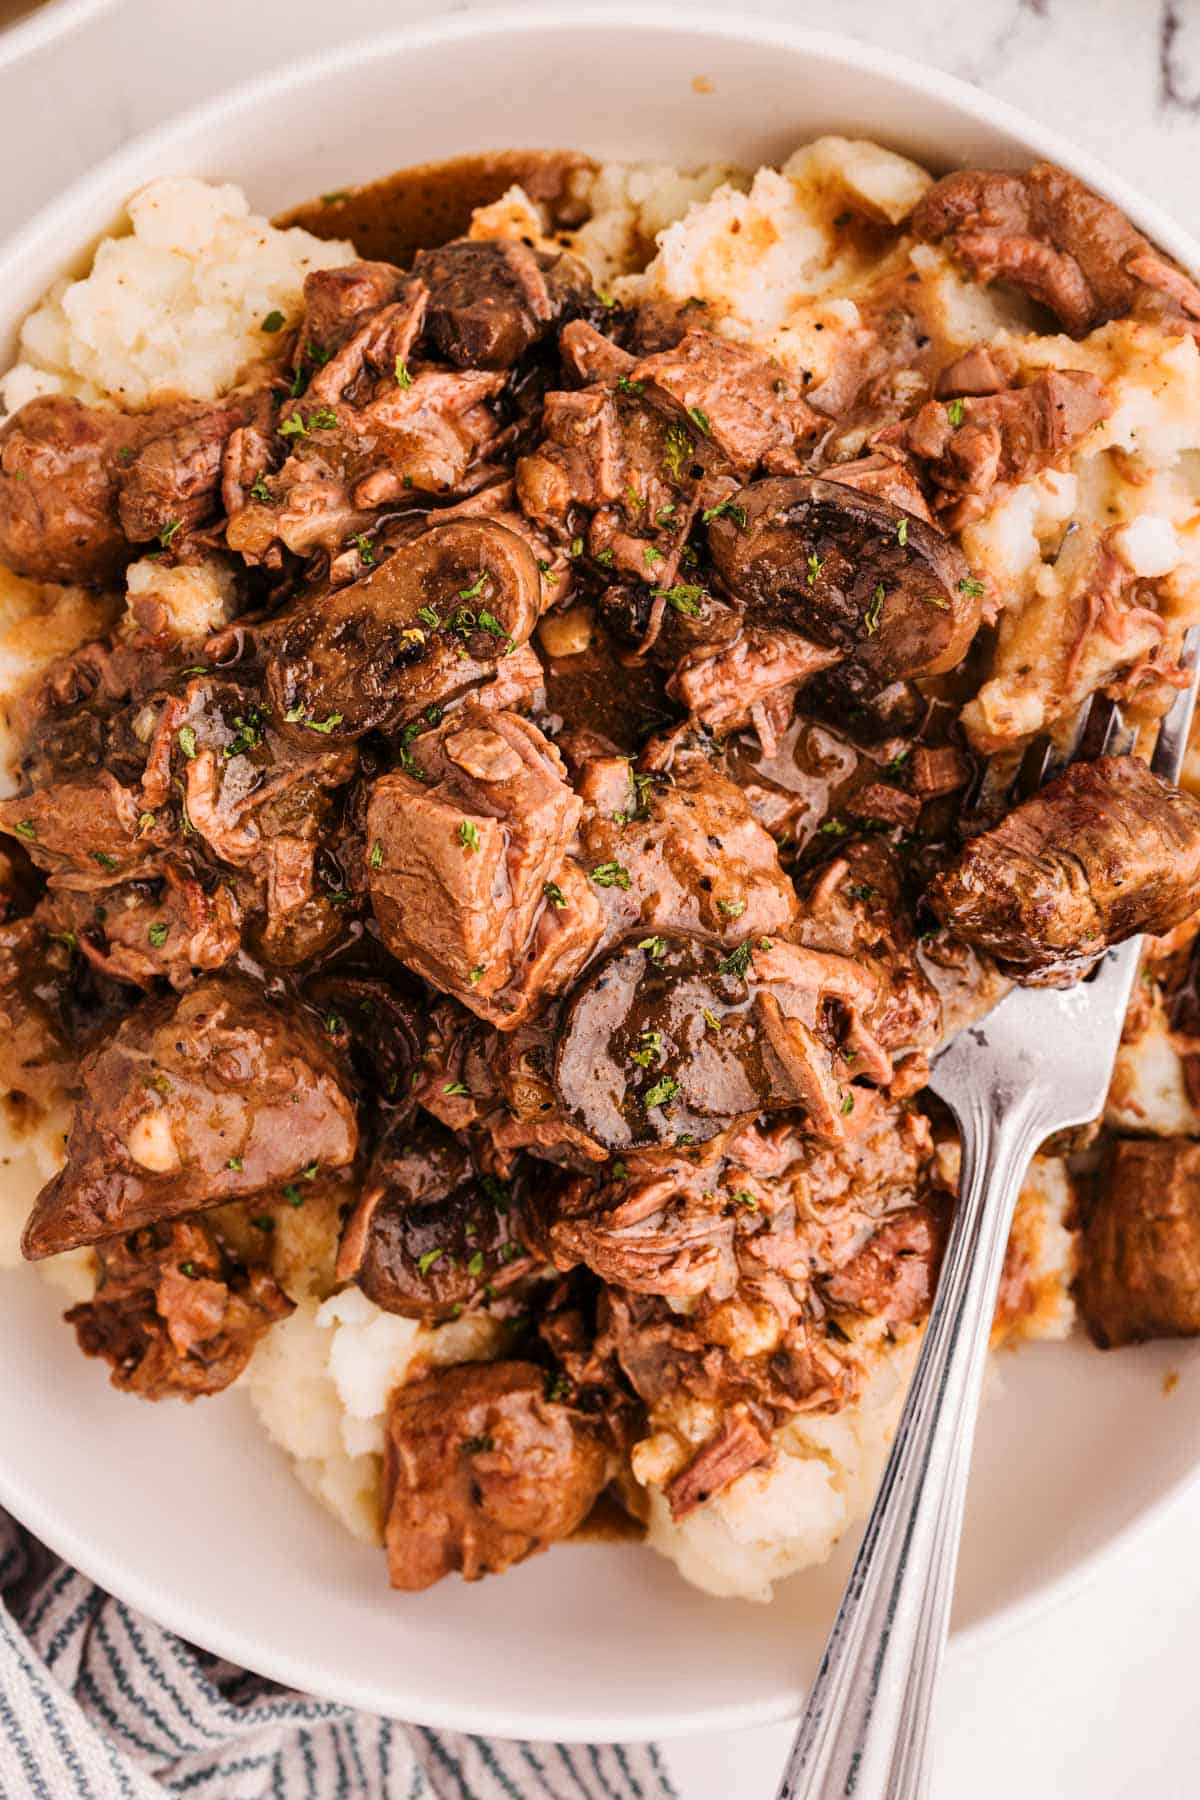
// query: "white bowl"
[[187, 1512], [45, 24]]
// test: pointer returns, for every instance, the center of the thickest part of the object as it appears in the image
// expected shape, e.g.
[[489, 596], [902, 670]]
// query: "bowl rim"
[[121, 173], [52, 20]]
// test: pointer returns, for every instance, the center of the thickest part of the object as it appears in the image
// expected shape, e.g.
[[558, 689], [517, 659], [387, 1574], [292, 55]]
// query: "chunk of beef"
[[86, 833], [1139, 1255], [467, 865], [999, 438], [493, 299], [426, 626], [37, 1052], [1104, 851], [894, 1275], [746, 405], [848, 570], [429, 1237], [590, 356], [174, 1315], [60, 464], [481, 1471], [173, 483], [751, 681], [337, 302], [1048, 234], [145, 930], [885, 474], [667, 1039], [738, 1444], [680, 852], [195, 1099]]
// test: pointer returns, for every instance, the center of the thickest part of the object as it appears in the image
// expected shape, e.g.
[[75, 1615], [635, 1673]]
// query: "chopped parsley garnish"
[[333, 1023], [576, 547], [455, 1087], [733, 909], [684, 599], [902, 533], [655, 947], [187, 742], [937, 600], [292, 1195], [426, 1262], [711, 1020], [25, 828], [898, 761], [66, 938], [476, 588], [366, 553], [477, 974], [649, 1049], [157, 934], [970, 586], [261, 492], [558, 1388], [429, 616], [273, 321], [626, 386], [264, 1222], [651, 555], [737, 962], [605, 558], [665, 514], [403, 377], [235, 1163], [468, 836], [728, 509], [833, 828], [323, 419], [295, 715], [475, 1265], [862, 890], [248, 734], [677, 450], [478, 1446], [555, 895], [375, 855], [954, 412], [487, 621], [814, 568], [188, 1269], [662, 1093], [610, 874], [104, 859], [848, 1104], [310, 1171], [168, 531], [699, 420], [332, 199], [874, 611], [742, 1198]]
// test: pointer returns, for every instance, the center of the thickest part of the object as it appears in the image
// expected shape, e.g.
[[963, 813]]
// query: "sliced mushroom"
[[429, 1236], [671, 1039], [427, 625], [492, 299], [851, 570]]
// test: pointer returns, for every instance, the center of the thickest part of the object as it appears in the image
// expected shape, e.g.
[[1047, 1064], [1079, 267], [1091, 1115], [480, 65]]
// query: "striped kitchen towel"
[[99, 1703]]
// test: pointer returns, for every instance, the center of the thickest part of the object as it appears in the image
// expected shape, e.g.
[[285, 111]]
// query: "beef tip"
[[848, 570], [492, 299], [887, 475], [60, 465], [426, 626], [172, 485], [1101, 853], [147, 930], [467, 865], [999, 438], [1139, 1255], [337, 302], [668, 1039], [752, 680], [427, 1238], [681, 852], [737, 1445], [590, 356], [37, 1052], [86, 833], [481, 1470], [743, 403], [195, 1099], [894, 1275], [174, 1315], [1048, 234]]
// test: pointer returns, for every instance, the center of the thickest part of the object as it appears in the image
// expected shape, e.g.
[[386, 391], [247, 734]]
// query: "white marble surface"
[[1097, 1700]]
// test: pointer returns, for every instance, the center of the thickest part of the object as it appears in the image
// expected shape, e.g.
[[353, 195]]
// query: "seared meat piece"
[[737, 1445], [195, 1099], [426, 626], [145, 931], [60, 465], [751, 680], [37, 1054], [999, 438], [888, 476], [86, 833], [338, 301], [1101, 853], [481, 1470], [590, 356], [1048, 234], [668, 1039], [467, 865], [1139, 1257], [680, 852], [848, 570], [172, 485], [894, 1275], [428, 1237], [749, 409], [173, 1314], [492, 299]]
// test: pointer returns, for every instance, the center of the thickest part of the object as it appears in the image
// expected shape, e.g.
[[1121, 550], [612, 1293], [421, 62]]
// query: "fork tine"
[[1171, 747]]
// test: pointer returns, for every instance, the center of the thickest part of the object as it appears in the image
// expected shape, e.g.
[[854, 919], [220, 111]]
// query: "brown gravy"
[[420, 207]]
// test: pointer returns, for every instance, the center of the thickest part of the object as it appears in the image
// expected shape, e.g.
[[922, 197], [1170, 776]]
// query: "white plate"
[[44, 24], [185, 1511]]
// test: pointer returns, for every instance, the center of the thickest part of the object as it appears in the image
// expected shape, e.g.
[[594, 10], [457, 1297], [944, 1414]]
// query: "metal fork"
[[1040, 1061]]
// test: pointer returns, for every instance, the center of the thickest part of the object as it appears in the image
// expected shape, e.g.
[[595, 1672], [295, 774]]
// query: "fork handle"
[[865, 1727]]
